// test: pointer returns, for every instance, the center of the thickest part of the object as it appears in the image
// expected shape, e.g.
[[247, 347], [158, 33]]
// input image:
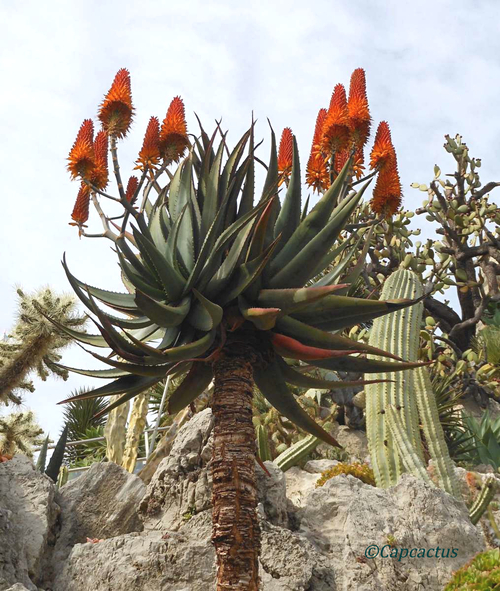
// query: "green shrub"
[[361, 471], [482, 573]]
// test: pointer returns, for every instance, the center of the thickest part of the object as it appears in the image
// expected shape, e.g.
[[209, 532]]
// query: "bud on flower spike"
[[81, 160], [359, 113], [149, 156], [99, 177], [173, 133], [116, 111], [317, 169], [285, 154], [132, 185], [81, 210], [336, 127]]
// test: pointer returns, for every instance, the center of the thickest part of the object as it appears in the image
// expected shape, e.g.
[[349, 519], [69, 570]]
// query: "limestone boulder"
[[102, 503], [28, 515]]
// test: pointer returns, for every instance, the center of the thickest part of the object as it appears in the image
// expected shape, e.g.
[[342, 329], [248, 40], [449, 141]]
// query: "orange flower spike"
[[81, 159], [336, 131], [132, 185], [116, 110], [173, 133], [317, 168], [285, 154], [99, 177], [357, 106], [81, 210], [386, 199], [149, 156], [383, 150]]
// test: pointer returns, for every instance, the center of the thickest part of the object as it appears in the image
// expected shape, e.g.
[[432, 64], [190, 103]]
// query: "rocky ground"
[[157, 537]]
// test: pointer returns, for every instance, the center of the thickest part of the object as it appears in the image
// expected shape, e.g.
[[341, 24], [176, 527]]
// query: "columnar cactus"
[[136, 425], [297, 452], [484, 498], [397, 333], [394, 410], [115, 431]]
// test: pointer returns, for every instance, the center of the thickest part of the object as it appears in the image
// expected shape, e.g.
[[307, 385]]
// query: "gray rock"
[[345, 516], [147, 561], [318, 466], [353, 440], [182, 484], [290, 562], [102, 503], [27, 517], [299, 484], [272, 494], [185, 561], [18, 587]]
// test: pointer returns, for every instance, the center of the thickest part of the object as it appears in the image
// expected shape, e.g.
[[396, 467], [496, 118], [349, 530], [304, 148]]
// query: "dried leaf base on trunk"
[[235, 533]]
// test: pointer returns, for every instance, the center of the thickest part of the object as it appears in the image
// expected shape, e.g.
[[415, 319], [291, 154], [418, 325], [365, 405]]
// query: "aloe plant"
[[215, 288]]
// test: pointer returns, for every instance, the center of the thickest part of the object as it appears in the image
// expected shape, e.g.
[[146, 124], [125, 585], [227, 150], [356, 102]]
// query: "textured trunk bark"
[[235, 532]]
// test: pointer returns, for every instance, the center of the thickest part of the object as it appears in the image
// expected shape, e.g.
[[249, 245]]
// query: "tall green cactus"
[[484, 498], [399, 334], [394, 409]]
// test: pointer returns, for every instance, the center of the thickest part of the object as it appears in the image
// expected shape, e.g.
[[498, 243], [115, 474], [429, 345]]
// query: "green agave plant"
[[216, 290]]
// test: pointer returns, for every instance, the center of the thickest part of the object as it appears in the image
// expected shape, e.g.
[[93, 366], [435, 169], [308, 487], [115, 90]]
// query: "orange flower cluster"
[[173, 134], [81, 157], [285, 155], [336, 131], [149, 156], [88, 158], [116, 110], [81, 210], [317, 167], [99, 177], [359, 113], [344, 128], [386, 199], [132, 185]]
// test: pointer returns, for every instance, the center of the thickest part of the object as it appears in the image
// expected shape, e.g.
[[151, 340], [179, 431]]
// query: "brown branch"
[[470, 322], [486, 189]]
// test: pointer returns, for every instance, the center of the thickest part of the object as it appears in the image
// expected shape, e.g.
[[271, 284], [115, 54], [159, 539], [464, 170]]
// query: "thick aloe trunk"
[[235, 532]]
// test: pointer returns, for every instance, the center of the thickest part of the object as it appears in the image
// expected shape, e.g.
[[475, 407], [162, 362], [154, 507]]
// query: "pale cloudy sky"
[[432, 68]]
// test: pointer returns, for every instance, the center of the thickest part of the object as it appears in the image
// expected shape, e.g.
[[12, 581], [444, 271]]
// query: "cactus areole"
[[220, 285]]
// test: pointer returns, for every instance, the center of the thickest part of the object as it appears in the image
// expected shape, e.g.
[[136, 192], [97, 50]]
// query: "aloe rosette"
[[202, 265]]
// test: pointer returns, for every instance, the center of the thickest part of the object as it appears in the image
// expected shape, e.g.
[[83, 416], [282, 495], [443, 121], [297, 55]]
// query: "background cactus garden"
[[304, 350]]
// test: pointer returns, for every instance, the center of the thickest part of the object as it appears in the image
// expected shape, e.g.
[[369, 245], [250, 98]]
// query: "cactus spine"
[[394, 409], [114, 431], [297, 452], [136, 426], [484, 498]]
